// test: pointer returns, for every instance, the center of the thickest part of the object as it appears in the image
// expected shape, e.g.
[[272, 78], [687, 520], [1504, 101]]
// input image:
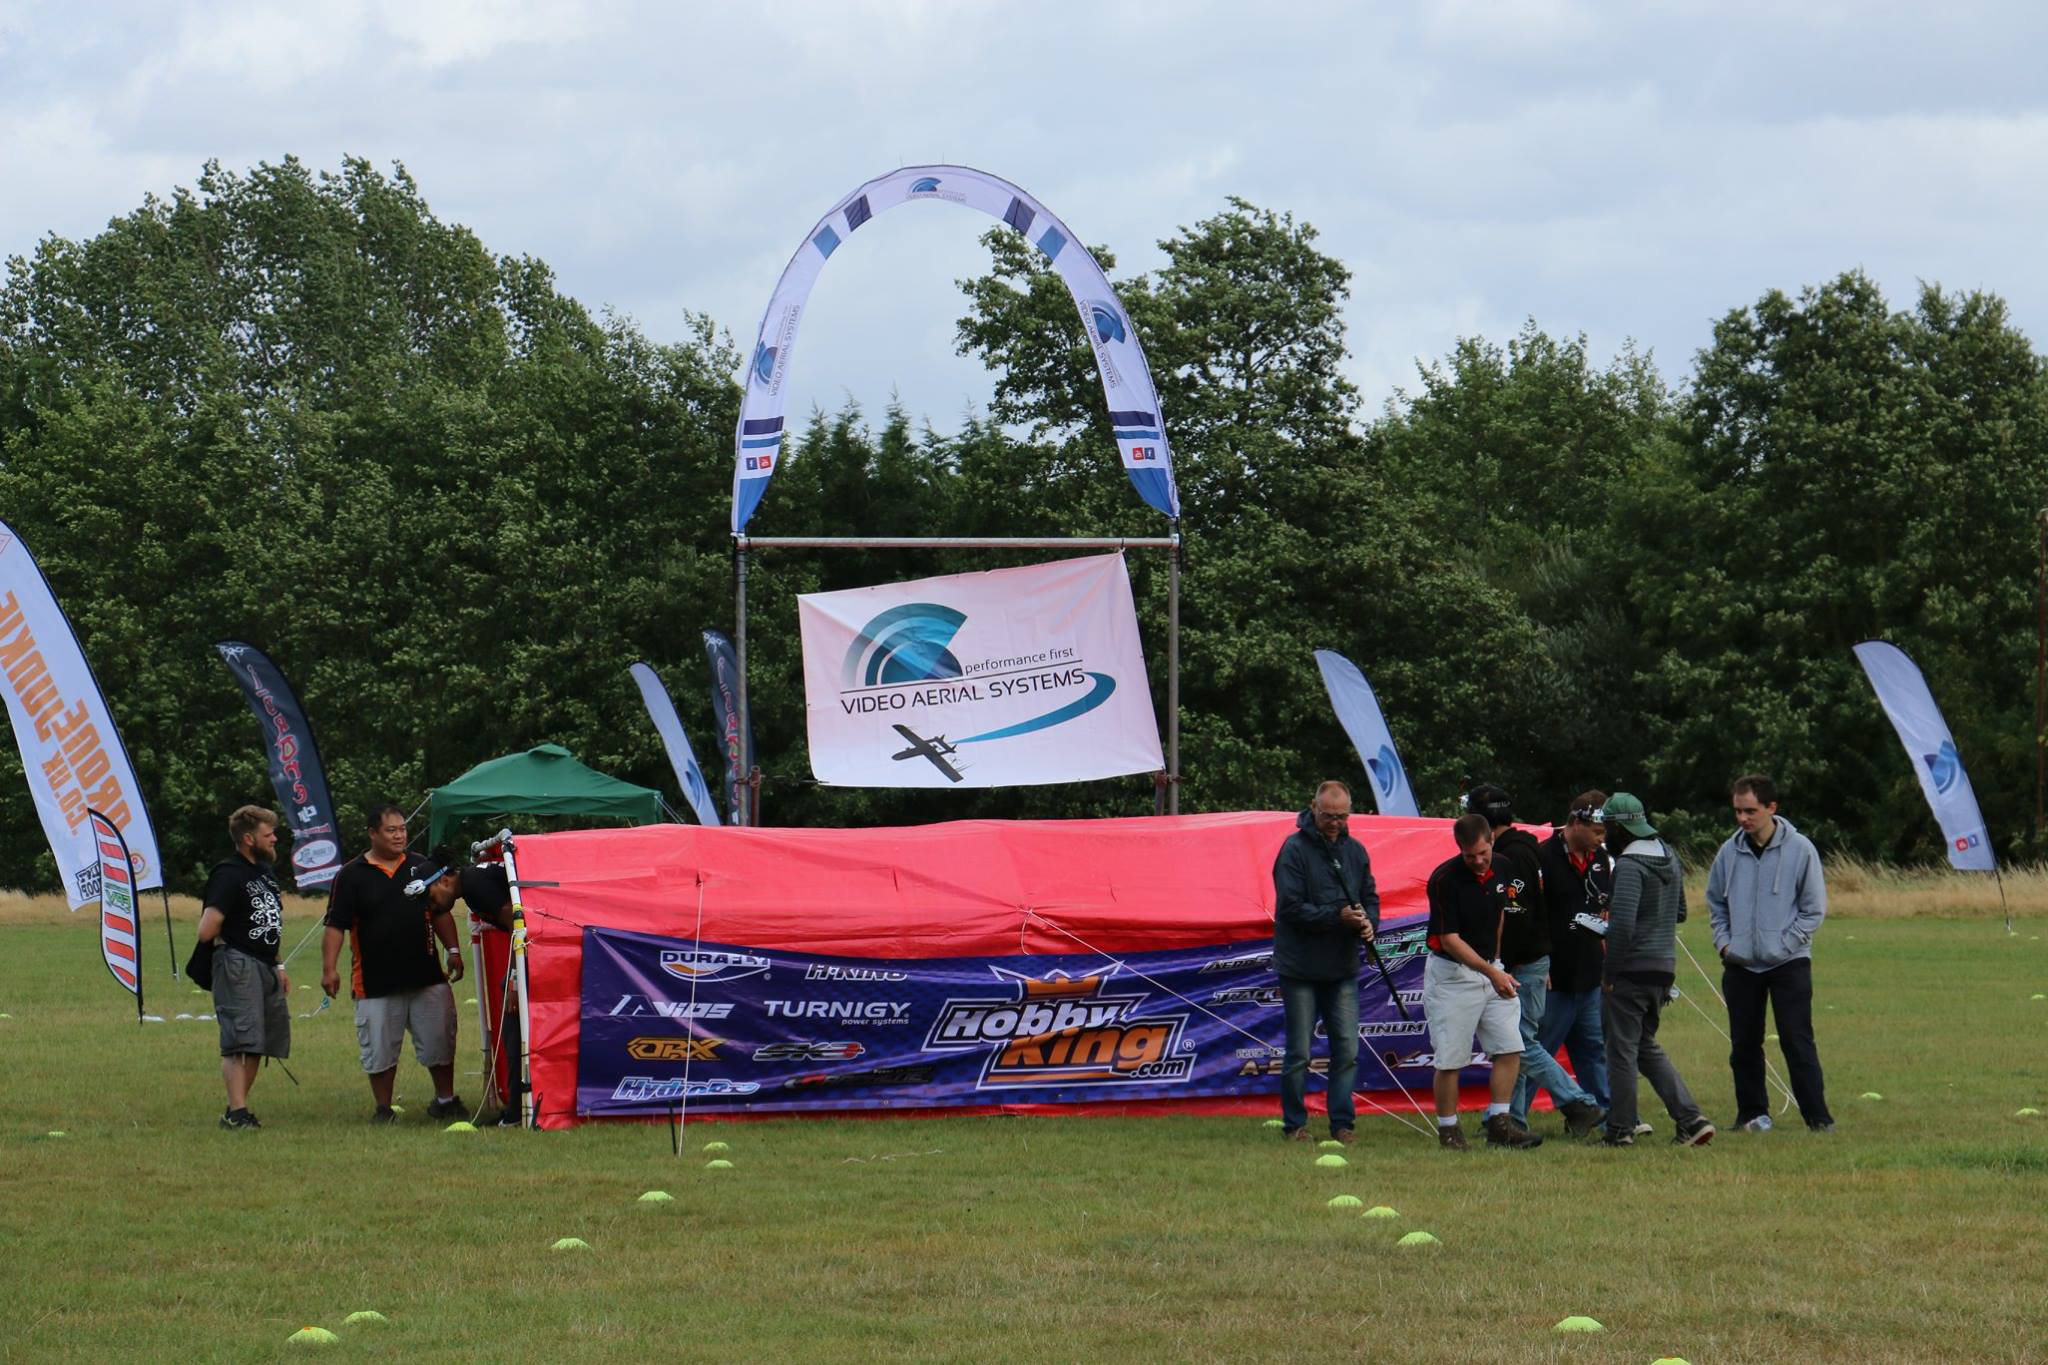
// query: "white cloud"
[[1633, 171]]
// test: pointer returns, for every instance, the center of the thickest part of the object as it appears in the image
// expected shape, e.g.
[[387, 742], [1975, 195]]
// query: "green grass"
[[1914, 1233]]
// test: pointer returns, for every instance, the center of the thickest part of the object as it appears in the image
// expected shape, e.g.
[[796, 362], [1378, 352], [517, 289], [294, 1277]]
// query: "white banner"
[[1002, 679], [1902, 692], [1134, 416], [69, 749], [1358, 711]]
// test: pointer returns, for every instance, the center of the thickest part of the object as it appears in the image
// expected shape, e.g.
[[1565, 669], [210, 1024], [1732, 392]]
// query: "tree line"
[[296, 408]]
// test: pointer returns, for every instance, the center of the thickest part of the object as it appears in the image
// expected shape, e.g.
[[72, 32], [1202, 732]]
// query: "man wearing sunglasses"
[[1324, 905], [1578, 883]]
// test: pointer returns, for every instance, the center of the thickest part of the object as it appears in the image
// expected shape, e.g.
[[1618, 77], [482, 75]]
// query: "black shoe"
[[1582, 1117], [239, 1118], [384, 1115], [452, 1108], [1698, 1135], [508, 1117], [1610, 1138], [1824, 1126]]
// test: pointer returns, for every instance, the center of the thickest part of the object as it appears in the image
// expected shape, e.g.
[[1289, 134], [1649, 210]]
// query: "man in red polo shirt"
[[395, 977]]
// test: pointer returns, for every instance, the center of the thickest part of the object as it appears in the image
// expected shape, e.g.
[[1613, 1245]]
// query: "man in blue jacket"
[[1324, 905], [1766, 898]]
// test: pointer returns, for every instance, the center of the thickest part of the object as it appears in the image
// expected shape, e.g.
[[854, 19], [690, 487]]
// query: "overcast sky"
[[1602, 169]]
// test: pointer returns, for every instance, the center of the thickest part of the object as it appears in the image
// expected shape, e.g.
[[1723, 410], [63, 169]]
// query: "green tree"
[[300, 410], [1848, 472]]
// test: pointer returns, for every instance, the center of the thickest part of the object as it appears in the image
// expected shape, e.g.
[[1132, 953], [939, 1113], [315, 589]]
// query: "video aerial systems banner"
[[1008, 678], [731, 1028]]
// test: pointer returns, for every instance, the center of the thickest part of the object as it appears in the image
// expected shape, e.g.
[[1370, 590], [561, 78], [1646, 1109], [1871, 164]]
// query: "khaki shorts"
[[1458, 1003], [382, 1022]]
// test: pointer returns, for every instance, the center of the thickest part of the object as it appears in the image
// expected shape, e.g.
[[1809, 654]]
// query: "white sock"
[[1493, 1109], [1447, 1120]]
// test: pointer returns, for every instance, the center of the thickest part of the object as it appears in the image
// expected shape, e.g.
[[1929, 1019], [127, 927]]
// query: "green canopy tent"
[[545, 780]]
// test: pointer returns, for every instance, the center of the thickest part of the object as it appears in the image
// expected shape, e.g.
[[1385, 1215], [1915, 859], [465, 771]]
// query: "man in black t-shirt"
[[487, 890], [1525, 953], [379, 901], [1578, 882], [242, 916], [1464, 989]]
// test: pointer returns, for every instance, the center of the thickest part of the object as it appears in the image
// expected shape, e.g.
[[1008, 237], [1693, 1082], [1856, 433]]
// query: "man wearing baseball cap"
[[1642, 938]]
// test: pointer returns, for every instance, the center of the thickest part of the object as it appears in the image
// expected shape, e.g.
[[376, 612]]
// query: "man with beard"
[[242, 916]]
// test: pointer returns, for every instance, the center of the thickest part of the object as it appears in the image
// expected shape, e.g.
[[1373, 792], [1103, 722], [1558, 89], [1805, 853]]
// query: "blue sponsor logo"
[[904, 644], [764, 363], [1108, 326], [1945, 768], [1386, 770], [925, 184], [659, 1090]]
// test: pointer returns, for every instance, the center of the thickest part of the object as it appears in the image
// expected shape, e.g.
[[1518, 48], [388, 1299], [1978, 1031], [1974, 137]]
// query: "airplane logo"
[[936, 749]]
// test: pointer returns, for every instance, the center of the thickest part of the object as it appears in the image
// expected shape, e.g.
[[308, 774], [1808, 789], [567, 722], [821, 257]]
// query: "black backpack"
[[199, 966]]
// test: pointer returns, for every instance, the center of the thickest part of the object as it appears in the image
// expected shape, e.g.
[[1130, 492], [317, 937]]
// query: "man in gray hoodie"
[[1767, 898], [1641, 965]]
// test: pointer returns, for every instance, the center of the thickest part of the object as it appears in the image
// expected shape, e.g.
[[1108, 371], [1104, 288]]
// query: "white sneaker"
[[1760, 1124], [1644, 1130]]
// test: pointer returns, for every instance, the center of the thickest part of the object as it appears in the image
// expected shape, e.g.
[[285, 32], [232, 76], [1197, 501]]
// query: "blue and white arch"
[[1119, 359]]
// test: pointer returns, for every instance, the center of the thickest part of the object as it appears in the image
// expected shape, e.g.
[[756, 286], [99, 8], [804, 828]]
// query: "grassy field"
[[1913, 1233]]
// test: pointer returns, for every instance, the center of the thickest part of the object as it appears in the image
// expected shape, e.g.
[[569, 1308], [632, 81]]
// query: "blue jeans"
[[1571, 1020], [1336, 1004], [1539, 1064]]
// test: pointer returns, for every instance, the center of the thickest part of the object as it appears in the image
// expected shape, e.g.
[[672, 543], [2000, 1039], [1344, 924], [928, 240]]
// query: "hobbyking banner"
[[733, 1028], [1002, 679], [1119, 359], [70, 751]]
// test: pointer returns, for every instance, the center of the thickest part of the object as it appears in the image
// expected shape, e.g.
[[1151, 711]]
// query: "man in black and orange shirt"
[[379, 901], [1464, 989]]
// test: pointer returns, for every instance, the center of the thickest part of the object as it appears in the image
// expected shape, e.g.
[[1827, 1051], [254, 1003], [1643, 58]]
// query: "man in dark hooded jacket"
[[1642, 937], [1324, 905]]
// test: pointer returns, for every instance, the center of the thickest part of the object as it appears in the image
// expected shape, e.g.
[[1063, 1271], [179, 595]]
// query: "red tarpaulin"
[[970, 887]]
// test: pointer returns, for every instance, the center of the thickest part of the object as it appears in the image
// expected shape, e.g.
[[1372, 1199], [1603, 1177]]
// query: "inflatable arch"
[[1126, 380]]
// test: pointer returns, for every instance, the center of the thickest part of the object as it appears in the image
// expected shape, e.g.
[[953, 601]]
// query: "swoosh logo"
[[1081, 706]]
